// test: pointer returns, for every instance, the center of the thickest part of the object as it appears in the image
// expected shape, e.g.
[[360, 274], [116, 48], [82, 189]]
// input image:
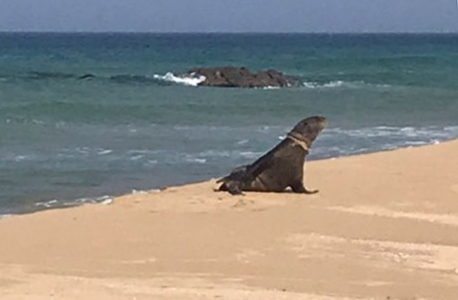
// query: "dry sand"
[[384, 226]]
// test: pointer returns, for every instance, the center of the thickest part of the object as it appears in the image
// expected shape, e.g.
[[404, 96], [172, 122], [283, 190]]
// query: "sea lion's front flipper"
[[311, 192], [298, 187]]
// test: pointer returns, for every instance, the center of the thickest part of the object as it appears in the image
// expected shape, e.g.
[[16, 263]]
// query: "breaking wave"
[[81, 201], [336, 142], [191, 80]]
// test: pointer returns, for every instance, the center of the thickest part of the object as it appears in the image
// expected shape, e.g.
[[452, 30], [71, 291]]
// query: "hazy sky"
[[230, 15]]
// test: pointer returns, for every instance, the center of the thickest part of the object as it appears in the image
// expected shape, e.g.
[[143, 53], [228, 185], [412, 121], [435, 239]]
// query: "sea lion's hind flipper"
[[298, 187], [231, 186], [237, 174], [234, 188], [232, 183]]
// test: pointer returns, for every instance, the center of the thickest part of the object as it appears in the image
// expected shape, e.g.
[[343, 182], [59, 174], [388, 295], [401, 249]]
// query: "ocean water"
[[134, 125]]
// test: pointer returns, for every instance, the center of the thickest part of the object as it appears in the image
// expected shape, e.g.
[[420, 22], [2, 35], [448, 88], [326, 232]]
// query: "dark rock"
[[242, 77]]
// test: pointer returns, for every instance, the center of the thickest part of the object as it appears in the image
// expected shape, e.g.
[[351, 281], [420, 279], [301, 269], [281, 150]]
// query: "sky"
[[229, 15]]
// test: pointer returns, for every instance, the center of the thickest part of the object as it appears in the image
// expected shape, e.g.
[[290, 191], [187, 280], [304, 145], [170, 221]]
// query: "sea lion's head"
[[308, 129]]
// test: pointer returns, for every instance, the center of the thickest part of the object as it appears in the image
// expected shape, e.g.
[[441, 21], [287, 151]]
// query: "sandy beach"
[[384, 226]]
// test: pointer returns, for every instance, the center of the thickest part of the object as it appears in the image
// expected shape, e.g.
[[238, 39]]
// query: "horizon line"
[[231, 32]]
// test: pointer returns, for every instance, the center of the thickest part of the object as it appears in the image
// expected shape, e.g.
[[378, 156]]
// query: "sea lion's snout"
[[321, 121]]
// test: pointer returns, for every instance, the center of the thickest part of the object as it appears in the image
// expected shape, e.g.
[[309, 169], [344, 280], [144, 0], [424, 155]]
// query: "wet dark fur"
[[281, 167]]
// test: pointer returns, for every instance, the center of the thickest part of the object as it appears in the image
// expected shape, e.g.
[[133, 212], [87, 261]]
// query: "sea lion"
[[281, 167]]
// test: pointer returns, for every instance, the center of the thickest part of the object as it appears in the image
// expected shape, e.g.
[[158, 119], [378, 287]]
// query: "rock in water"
[[242, 77]]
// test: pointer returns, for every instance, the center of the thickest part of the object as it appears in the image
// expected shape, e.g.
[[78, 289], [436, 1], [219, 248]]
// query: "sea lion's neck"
[[299, 140]]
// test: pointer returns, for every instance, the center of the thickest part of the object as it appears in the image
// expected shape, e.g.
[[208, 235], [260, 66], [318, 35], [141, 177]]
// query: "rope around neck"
[[298, 140]]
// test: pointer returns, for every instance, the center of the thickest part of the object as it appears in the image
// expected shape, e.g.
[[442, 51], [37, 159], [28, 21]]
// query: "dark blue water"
[[130, 125]]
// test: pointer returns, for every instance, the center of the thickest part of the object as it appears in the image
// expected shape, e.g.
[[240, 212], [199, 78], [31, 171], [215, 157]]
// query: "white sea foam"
[[192, 79], [137, 157], [242, 142], [250, 154], [139, 192], [416, 143], [340, 83], [332, 84], [272, 87], [47, 204], [19, 158], [215, 153], [81, 201], [108, 200], [104, 152], [379, 138], [196, 160], [5, 216], [335, 84], [451, 128], [102, 200], [38, 122], [424, 133], [142, 192], [83, 150], [211, 155]]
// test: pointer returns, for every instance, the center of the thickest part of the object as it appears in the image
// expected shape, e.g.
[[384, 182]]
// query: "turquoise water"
[[66, 140]]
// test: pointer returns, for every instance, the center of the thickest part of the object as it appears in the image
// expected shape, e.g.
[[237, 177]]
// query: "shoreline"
[[99, 200], [384, 226]]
